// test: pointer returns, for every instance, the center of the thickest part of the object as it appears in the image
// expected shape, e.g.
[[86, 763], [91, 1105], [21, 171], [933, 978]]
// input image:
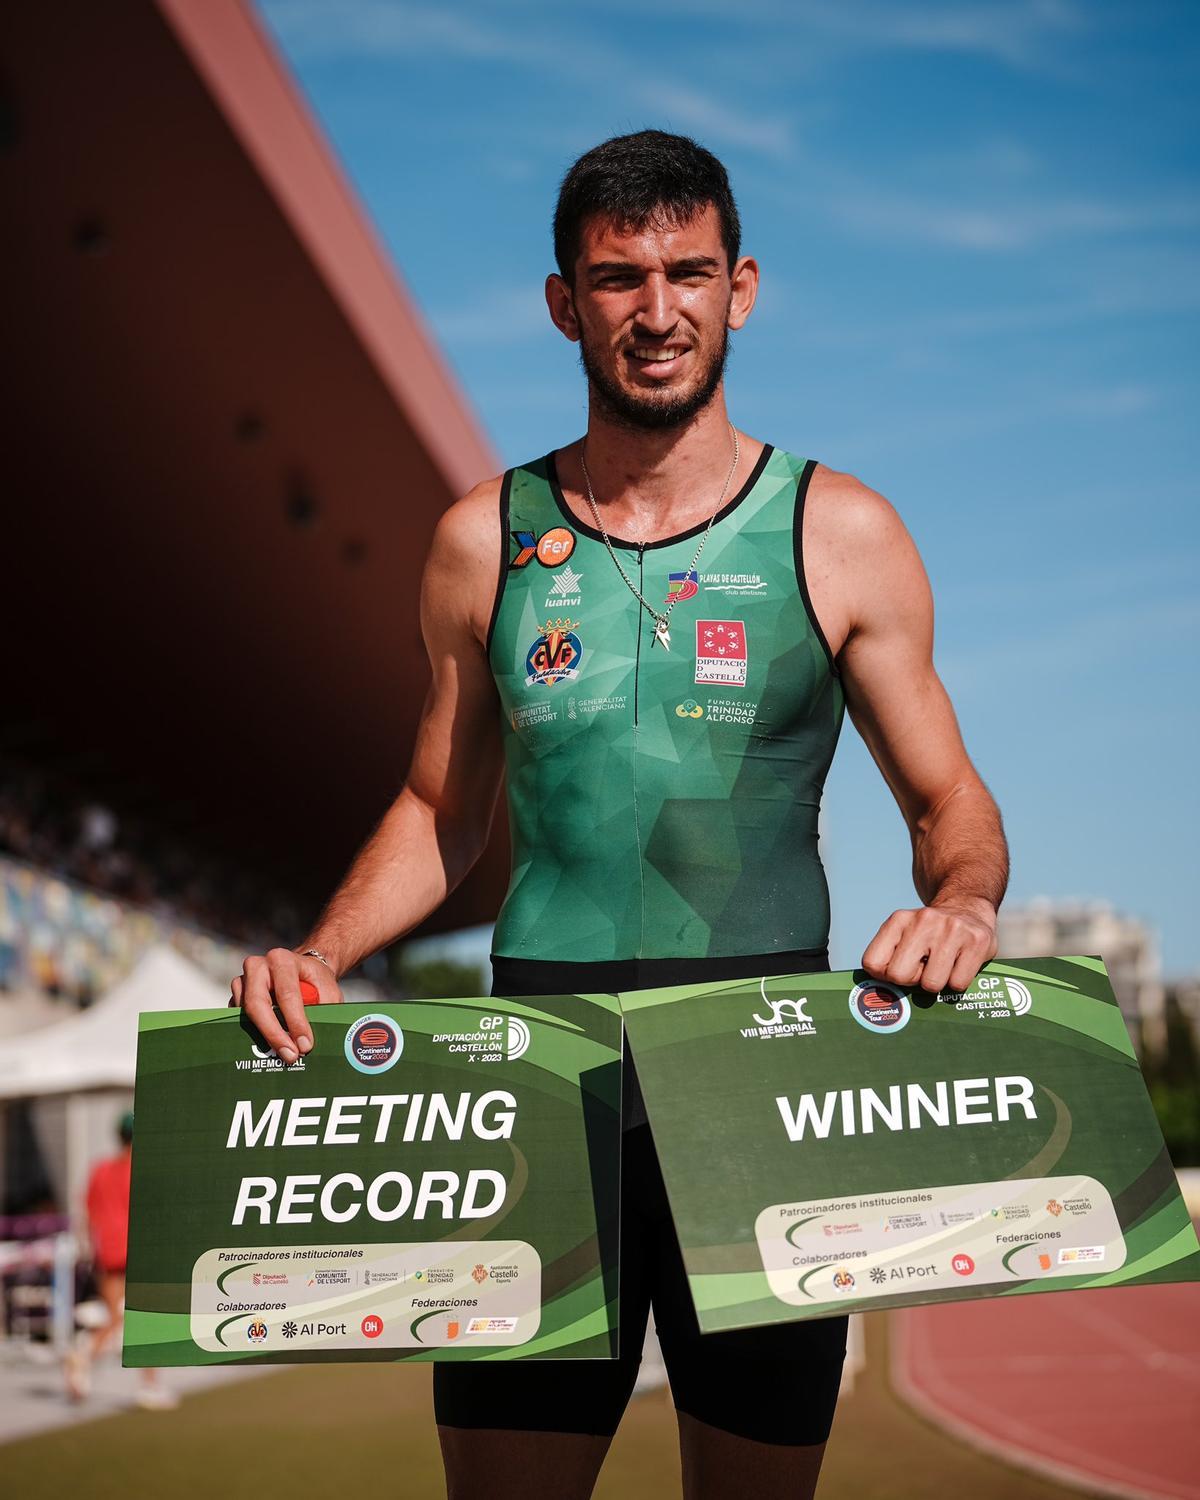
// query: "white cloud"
[[676, 107], [1017, 224], [537, 39]]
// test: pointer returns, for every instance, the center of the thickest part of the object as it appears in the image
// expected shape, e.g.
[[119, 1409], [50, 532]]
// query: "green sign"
[[435, 1180], [830, 1143]]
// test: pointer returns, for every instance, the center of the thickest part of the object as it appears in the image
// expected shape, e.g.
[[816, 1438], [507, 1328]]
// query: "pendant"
[[662, 634]]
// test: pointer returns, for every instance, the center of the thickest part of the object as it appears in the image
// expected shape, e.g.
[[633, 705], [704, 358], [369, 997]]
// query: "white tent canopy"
[[97, 1049]]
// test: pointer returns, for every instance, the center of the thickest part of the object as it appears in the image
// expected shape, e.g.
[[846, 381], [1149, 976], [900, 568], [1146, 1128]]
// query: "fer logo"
[[551, 548]]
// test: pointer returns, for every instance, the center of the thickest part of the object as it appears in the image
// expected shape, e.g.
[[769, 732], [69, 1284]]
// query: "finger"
[[967, 965], [943, 954], [879, 950], [285, 986], [235, 988], [256, 1003], [907, 962]]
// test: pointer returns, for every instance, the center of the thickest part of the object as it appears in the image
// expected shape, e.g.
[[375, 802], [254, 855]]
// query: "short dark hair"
[[650, 177]]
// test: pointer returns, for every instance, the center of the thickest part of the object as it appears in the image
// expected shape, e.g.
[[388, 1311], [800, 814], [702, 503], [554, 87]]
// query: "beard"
[[652, 411]]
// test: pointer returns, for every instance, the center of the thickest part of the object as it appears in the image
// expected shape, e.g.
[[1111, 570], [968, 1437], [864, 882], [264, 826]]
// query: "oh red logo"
[[962, 1265], [371, 1326]]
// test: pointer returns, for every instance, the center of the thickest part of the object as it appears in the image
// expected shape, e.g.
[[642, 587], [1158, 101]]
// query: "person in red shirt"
[[108, 1228]]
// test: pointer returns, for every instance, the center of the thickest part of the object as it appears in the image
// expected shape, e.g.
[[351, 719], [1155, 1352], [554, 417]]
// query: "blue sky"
[[979, 229]]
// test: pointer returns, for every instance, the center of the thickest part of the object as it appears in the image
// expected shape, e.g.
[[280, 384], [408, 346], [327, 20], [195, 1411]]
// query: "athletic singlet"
[[662, 804]]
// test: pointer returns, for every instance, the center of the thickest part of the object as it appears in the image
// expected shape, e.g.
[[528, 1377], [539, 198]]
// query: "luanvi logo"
[[785, 1017]]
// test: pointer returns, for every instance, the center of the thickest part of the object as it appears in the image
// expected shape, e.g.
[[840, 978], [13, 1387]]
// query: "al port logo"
[[689, 709], [374, 1044], [555, 655], [880, 1007]]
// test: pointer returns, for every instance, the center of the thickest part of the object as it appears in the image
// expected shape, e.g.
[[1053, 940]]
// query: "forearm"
[[960, 855], [403, 872]]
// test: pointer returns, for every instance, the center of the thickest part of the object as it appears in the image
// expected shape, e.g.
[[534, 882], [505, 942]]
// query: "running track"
[[1100, 1389]]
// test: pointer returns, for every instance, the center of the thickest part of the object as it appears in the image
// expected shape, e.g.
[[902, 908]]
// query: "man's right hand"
[[273, 979]]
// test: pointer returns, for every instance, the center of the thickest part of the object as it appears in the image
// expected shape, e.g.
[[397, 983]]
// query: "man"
[[108, 1229], [657, 627]]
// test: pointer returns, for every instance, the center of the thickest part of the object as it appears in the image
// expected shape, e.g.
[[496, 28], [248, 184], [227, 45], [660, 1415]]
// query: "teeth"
[[660, 356]]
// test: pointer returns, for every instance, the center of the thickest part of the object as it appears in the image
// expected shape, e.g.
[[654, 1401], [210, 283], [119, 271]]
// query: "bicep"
[[894, 695], [456, 760]]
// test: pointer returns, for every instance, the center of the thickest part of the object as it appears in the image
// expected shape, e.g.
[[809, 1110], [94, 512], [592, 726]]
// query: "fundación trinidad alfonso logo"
[[374, 1044], [555, 655], [880, 1007], [689, 709]]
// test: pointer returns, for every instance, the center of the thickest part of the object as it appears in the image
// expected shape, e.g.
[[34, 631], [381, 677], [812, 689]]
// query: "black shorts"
[[775, 1385]]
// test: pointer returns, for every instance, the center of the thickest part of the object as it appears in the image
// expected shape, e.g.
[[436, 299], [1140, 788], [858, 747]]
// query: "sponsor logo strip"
[[390, 1296], [937, 1238]]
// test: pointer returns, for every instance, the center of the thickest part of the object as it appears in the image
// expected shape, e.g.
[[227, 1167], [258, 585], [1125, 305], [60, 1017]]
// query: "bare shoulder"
[[471, 526], [842, 511], [854, 542], [462, 568]]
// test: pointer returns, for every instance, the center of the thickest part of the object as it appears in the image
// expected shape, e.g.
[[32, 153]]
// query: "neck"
[[653, 482]]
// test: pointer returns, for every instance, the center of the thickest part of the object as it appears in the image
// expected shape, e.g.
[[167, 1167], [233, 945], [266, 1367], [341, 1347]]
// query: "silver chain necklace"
[[661, 618]]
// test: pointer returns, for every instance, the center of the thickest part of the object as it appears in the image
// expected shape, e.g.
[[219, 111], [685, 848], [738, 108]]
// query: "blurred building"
[[1128, 946], [1183, 995], [227, 438]]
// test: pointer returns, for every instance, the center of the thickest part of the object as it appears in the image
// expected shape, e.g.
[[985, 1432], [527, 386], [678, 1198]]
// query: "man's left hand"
[[934, 948]]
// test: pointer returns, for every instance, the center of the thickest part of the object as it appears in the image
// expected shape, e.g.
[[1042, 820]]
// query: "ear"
[[561, 301], [743, 291]]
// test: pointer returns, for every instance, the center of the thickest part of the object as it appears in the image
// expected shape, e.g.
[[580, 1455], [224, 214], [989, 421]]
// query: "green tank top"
[[662, 804]]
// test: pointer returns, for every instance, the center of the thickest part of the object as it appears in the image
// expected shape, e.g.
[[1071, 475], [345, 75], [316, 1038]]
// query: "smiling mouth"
[[647, 354]]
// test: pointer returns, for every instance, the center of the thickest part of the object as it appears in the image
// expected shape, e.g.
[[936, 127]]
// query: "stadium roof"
[[228, 434]]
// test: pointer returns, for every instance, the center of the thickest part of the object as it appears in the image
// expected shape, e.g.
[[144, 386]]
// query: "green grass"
[[367, 1430]]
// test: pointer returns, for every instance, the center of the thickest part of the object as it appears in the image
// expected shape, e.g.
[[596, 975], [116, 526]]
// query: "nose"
[[657, 314]]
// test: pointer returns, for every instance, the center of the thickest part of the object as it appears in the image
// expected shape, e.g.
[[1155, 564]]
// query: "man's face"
[[651, 310]]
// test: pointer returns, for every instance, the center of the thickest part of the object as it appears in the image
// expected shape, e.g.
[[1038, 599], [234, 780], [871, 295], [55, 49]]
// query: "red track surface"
[[1098, 1388]]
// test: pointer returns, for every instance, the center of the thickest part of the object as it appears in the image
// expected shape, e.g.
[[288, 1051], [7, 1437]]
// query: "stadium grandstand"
[[228, 436]]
